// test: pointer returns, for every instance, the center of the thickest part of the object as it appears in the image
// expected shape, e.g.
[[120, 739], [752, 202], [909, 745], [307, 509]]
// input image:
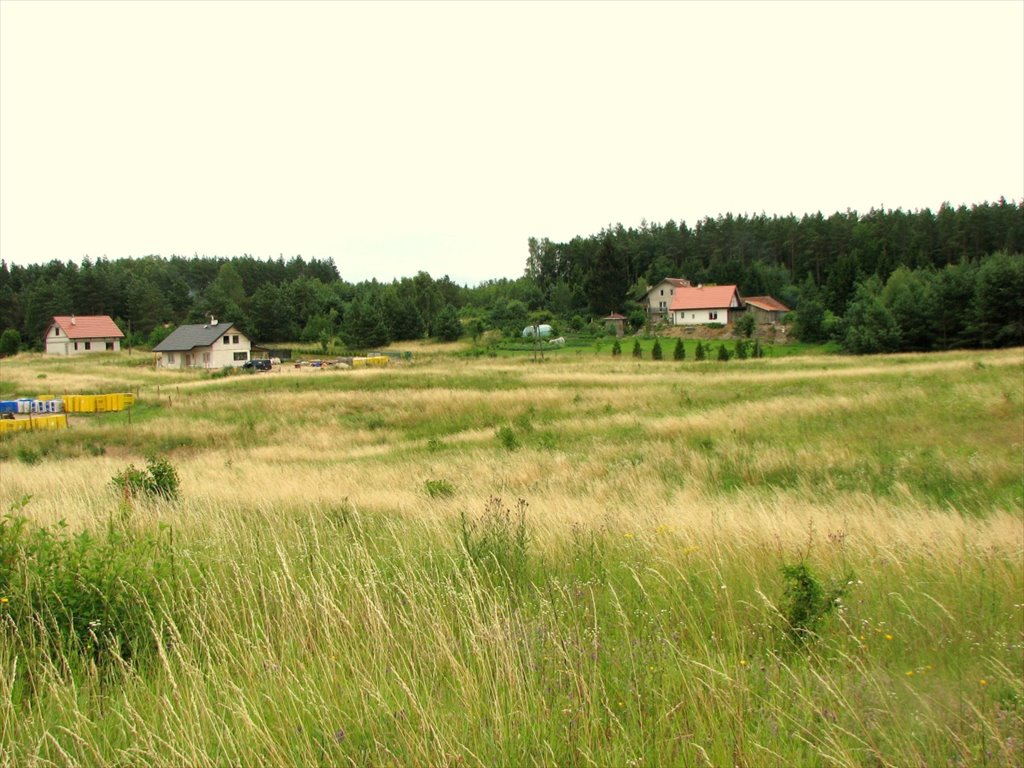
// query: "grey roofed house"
[[213, 345], [185, 338]]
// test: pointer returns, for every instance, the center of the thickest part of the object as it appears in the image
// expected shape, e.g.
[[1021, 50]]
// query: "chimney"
[[72, 319], [213, 320]]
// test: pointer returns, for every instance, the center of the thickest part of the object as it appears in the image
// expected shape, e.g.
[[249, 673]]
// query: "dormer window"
[[227, 339], [56, 331]]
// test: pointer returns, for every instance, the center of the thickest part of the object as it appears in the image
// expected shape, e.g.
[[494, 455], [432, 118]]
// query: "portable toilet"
[[24, 405]]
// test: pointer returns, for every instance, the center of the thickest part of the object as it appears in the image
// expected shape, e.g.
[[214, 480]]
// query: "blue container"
[[8, 406]]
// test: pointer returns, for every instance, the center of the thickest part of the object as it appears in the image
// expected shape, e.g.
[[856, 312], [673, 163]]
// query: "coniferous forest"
[[884, 281]]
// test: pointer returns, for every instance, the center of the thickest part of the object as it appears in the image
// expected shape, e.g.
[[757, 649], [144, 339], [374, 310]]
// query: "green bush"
[[10, 342], [806, 602], [158, 480], [94, 596], [497, 542], [439, 489], [745, 325], [507, 438]]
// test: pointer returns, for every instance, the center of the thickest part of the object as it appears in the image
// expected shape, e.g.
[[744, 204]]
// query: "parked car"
[[258, 364]]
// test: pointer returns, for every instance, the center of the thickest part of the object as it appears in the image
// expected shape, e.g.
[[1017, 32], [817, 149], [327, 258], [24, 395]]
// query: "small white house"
[[705, 304], [214, 345], [70, 335]]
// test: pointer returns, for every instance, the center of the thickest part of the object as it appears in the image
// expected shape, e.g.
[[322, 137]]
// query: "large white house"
[[70, 335], [214, 345], [705, 304]]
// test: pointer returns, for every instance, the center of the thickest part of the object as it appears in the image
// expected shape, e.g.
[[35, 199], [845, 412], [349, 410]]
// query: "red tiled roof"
[[704, 297], [88, 327], [614, 316], [767, 303]]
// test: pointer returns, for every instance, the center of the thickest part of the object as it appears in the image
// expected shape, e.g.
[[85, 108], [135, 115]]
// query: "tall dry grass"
[[326, 612]]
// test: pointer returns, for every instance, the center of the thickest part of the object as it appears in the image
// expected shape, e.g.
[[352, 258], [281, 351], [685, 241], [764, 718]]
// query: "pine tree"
[[637, 352], [723, 354], [616, 349], [699, 352], [656, 350], [679, 353]]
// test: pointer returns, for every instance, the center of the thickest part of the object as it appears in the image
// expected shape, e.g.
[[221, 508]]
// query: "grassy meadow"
[[489, 561]]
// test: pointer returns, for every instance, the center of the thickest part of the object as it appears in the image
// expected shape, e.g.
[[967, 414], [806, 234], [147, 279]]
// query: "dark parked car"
[[257, 365]]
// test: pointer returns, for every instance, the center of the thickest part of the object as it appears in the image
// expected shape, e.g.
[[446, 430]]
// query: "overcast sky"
[[396, 137]]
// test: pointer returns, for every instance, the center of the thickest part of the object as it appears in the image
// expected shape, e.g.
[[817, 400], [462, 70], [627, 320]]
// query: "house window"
[[663, 292], [712, 315], [110, 346], [206, 358], [88, 345], [241, 356], [227, 339], [56, 331], [170, 358], [234, 339], [76, 346]]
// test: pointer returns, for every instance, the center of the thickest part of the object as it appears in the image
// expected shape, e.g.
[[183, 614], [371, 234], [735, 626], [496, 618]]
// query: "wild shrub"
[[158, 480], [807, 602], [507, 437], [439, 489], [497, 542], [96, 596]]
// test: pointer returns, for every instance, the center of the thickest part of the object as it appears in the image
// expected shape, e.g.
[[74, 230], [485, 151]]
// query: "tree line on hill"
[[887, 280]]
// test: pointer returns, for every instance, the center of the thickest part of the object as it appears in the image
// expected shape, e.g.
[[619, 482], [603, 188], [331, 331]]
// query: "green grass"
[[349, 577]]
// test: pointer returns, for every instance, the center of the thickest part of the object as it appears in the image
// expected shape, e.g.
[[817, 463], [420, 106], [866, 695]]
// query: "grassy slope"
[[335, 618]]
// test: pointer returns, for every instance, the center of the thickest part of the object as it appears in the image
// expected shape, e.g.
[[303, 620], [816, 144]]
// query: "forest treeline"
[[887, 280]]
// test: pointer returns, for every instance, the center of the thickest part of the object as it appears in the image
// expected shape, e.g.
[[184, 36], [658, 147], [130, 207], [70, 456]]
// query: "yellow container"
[[46, 397], [129, 399]]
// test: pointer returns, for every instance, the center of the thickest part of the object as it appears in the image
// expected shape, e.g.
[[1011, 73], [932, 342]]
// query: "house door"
[[188, 361]]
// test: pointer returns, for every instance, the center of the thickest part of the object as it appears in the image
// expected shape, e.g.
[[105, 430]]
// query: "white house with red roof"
[[703, 304], [70, 335], [658, 298]]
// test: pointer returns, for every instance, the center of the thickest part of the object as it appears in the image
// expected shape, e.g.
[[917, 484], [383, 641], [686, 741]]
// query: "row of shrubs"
[[743, 349]]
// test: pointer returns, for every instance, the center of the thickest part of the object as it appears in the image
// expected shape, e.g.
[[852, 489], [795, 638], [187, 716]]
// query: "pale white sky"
[[395, 137]]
